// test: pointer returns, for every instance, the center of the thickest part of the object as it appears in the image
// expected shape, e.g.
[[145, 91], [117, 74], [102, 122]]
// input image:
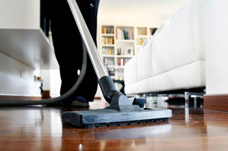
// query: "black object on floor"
[[139, 101]]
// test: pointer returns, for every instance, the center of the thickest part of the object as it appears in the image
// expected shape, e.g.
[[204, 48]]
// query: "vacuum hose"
[[53, 100]]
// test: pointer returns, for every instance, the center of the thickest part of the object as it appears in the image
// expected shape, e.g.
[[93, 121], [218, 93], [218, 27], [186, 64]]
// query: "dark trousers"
[[68, 46]]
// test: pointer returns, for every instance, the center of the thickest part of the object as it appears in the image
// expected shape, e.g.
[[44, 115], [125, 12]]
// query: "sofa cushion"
[[189, 76], [144, 61], [177, 44], [130, 72]]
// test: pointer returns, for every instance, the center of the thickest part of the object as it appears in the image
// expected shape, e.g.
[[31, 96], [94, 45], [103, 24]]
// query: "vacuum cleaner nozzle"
[[113, 117], [120, 112]]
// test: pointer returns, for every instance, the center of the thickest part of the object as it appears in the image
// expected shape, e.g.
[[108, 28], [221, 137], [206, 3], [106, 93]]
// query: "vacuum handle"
[[88, 40]]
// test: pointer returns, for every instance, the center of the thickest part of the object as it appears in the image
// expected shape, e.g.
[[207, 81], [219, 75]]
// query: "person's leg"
[[68, 46], [68, 49], [70, 63], [88, 86]]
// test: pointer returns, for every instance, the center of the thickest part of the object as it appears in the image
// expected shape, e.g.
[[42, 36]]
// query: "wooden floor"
[[41, 129]]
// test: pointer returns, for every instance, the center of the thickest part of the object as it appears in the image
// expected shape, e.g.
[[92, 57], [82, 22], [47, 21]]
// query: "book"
[[120, 34], [105, 30]]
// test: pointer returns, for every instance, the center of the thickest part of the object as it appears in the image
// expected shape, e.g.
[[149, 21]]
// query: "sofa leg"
[[186, 97], [195, 102]]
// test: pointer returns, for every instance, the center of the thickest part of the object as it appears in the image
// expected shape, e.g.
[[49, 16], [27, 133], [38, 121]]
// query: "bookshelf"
[[142, 34], [118, 44]]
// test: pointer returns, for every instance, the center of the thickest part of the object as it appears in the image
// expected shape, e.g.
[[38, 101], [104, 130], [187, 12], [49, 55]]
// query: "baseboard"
[[46, 94], [216, 102], [10, 97]]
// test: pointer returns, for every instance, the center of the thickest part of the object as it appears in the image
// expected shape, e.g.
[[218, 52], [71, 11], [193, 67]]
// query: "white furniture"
[[173, 59], [24, 49], [21, 36]]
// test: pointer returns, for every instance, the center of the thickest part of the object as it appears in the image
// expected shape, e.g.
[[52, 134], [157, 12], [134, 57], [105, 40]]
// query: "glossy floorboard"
[[41, 129]]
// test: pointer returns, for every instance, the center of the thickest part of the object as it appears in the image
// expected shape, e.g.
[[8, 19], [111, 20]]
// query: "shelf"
[[111, 66], [125, 40], [108, 45], [111, 56], [29, 46], [123, 56], [119, 67], [141, 36], [108, 35]]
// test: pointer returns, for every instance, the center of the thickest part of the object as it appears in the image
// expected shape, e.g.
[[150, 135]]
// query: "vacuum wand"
[[106, 84], [88, 40]]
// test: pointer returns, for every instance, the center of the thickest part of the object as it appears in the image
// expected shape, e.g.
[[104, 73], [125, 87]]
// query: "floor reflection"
[[35, 124], [133, 133], [41, 128]]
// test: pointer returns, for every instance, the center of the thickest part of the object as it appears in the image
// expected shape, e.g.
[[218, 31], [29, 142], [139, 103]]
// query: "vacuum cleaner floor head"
[[111, 117]]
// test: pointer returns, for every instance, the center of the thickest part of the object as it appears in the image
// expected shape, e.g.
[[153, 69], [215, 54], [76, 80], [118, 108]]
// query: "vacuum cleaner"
[[120, 111]]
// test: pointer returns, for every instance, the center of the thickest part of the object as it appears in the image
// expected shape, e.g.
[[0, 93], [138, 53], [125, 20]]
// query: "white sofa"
[[173, 59]]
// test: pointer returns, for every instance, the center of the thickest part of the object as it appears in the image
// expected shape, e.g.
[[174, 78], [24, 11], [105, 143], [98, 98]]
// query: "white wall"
[[51, 81], [20, 14], [129, 20], [215, 28], [17, 78], [137, 12], [55, 83]]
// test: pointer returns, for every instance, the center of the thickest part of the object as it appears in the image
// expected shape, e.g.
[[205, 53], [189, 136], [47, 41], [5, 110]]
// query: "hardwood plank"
[[11, 97]]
